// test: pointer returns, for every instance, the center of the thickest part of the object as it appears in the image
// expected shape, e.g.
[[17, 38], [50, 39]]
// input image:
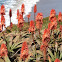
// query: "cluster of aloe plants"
[[32, 44]]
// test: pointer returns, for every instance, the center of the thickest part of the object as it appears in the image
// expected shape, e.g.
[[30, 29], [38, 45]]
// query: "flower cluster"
[[39, 20], [24, 51], [3, 50]]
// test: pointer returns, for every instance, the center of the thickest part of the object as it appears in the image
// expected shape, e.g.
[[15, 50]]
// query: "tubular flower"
[[32, 27], [10, 13], [2, 11], [39, 21], [35, 8], [52, 14], [46, 37], [17, 13], [2, 21], [59, 17], [22, 9], [28, 16], [3, 50], [0, 27], [24, 51], [57, 60], [53, 24], [20, 22]]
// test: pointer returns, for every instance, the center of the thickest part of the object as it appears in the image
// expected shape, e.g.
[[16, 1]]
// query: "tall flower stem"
[[44, 53], [35, 45], [10, 20], [39, 33]]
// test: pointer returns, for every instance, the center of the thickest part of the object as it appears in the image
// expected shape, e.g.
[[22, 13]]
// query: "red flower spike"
[[2, 10], [24, 51], [42, 47], [10, 13], [3, 49], [20, 22], [52, 14], [46, 37], [39, 21], [2, 21], [17, 13], [57, 60], [35, 8], [0, 27], [32, 27], [53, 24], [22, 9], [59, 17]]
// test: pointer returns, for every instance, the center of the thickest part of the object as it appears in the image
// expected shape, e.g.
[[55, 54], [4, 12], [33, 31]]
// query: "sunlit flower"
[[24, 51], [35, 8], [0, 27], [3, 50], [57, 60], [17, 13], [23, 9], [46, 37], [39, 20], [59, 17], [2, 11], [52, 14], [53, 24], [32, 27], [2, 21], [20, 22]]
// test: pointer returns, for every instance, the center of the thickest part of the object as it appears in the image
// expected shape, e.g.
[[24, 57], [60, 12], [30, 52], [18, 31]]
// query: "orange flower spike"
[[35, 8], [46, 37], [17, 13], [53, 24], [2, 21], [2, 10], [3, 51], [32, 27], [57, 60], [39, 21], [59, 17], [22, 9], [0, 27], [10, 13], [52, 14], [24, 51]]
